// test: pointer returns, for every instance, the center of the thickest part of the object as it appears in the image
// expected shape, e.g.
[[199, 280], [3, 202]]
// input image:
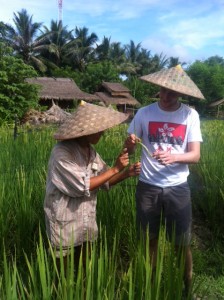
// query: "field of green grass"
[[119, 266]]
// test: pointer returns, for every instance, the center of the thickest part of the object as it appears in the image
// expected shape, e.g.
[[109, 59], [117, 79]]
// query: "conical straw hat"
[[89, 119], [175, 79]]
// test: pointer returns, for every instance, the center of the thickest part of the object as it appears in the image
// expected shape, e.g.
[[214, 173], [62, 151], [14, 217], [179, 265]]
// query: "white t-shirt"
[[167, 131]]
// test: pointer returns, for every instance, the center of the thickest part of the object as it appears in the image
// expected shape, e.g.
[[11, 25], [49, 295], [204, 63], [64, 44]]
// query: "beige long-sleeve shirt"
[[69, 205]]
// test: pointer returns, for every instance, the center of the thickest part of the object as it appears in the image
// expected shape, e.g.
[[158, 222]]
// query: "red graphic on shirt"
[[165, 132]]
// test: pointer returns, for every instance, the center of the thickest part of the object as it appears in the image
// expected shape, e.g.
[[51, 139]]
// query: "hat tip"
[[179, 67], [82, 103]]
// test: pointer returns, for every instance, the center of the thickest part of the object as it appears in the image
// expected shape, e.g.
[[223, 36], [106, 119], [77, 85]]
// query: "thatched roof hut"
[[216, 103], [113, 93], [216, 107], [63, 91]]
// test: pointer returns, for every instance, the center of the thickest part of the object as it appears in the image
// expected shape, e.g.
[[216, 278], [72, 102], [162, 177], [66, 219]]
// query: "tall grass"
[[99, 279], [23, 174], [119, 266], [209, 175]]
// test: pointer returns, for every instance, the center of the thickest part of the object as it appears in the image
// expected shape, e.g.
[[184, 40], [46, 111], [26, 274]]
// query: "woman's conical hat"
[[89, 119], [175, 79]]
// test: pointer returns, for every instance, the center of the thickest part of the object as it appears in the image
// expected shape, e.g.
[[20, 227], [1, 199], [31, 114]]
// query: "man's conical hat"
[[175, 79]]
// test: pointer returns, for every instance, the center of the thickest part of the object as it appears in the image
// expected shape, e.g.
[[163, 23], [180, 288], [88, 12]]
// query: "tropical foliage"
[[16, 96], [78, 54], [46, 48]]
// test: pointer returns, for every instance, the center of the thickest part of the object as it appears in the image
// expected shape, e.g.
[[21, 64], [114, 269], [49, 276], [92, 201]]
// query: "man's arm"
[[192, 156], [121, 162], [132, 170]]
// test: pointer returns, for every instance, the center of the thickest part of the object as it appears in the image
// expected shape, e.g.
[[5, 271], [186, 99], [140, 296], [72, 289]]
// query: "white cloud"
[[158, 46], [195, 34]]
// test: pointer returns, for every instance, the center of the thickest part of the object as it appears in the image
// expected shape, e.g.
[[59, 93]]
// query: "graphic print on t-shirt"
[[166, 132]]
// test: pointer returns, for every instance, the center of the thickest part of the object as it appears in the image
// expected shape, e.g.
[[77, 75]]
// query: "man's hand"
[[134, 169], [122, 161], [131, 142], [164, 157]]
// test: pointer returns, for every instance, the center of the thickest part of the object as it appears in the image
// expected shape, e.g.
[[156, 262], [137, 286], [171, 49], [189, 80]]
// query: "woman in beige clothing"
[[76, 172]]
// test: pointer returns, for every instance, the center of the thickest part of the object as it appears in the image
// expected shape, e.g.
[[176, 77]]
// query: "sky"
[[188, 29]]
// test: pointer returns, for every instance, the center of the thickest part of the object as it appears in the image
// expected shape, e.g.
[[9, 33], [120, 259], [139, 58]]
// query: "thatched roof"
[[216, 103], [60, 89], [116, 93], [108, 99], [115, 88]]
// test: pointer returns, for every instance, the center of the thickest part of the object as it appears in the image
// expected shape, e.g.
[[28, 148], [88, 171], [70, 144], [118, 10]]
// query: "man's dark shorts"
[[173, 204]]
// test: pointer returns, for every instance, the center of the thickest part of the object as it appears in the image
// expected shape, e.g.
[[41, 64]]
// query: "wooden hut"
[[216, 108], [63, 91], [117, 94]]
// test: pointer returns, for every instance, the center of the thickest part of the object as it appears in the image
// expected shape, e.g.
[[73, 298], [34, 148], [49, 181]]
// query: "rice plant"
[[100, 277], [209, 174], [119, 265]]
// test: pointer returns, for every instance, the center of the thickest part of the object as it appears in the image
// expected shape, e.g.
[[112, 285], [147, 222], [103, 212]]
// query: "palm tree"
[[113, 52], [4, 28], [82, 50], [117, 53], [158, 62], [144, 59], [59, 40], [132, 52], [24, 39], [102, 50], [174, 61]]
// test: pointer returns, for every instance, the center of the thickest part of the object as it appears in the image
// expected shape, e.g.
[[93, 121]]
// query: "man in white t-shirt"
[[170, 133]]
